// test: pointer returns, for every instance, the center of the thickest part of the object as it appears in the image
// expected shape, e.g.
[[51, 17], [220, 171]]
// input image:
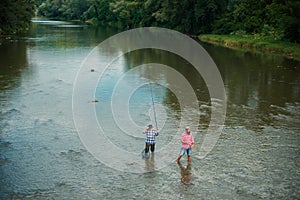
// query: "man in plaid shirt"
[[150, 138]]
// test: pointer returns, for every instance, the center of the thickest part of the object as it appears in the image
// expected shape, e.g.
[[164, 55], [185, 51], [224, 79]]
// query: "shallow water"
[[42, 156]]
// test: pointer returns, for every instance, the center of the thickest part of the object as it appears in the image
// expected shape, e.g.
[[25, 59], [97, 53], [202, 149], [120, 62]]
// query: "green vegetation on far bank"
[[254, 43], [271, 20], [279, 19]]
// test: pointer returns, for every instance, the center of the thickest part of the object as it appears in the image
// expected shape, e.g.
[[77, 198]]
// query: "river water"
[[42, 156]]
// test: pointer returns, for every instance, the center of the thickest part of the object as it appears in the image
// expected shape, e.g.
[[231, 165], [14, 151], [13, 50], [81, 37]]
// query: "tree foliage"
[[15, 15], [278, 19], [63, 9], [269, 18]]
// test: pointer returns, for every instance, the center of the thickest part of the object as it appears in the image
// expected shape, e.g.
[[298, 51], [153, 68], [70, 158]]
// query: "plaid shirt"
[[150, 136]]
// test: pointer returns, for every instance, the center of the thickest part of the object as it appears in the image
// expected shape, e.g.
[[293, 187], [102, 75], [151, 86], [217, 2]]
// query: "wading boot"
[[178, 159]]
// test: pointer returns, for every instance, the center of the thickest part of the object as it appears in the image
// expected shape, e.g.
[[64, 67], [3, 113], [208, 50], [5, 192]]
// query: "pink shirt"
[[187, 138]]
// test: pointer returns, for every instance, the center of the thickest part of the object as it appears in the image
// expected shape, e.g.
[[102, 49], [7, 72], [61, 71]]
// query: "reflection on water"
[[256, 157], [137, 58], [185, 173], [150, 162], [164, 95], [257, 80], [256, 83], [13, 56]]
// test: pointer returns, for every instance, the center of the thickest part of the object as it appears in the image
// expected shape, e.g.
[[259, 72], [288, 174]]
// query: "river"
[[43, 156]]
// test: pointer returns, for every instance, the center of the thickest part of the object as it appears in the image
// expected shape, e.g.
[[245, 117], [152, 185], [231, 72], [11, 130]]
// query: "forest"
[[279, 19]]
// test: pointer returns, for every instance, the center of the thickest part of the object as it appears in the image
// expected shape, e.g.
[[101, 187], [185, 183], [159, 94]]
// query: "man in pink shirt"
[[187, 141]]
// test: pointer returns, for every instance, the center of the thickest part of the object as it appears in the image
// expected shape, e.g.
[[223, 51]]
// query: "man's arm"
[[193, 142], [145, 129]]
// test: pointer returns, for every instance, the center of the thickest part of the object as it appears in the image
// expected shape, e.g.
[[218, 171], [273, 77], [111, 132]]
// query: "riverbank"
[[253, 43]]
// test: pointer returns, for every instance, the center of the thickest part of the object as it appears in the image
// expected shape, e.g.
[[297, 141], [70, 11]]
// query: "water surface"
[[256, 157]]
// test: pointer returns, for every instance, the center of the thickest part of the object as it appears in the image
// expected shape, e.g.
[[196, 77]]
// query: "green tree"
[[283, 18], [75, 9], [276, 19], [99, 12], [128, 13], [248, 16], [51, 9], [15, 15], [207, 12], [63, 9], [189, 16]]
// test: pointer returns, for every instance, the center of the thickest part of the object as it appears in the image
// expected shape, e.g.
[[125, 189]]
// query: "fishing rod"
[[144, 155], [154, 112]]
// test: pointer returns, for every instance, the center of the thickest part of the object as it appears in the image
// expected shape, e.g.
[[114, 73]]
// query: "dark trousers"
[[152, 147]]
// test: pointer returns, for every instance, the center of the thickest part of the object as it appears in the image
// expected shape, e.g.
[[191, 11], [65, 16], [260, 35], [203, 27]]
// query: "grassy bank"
[[255, 43]]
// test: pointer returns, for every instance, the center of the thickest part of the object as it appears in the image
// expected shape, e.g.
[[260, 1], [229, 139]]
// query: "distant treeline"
[[279, 19]]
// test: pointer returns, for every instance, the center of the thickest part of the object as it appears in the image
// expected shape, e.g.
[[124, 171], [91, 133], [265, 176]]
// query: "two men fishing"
[[187, 142]]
